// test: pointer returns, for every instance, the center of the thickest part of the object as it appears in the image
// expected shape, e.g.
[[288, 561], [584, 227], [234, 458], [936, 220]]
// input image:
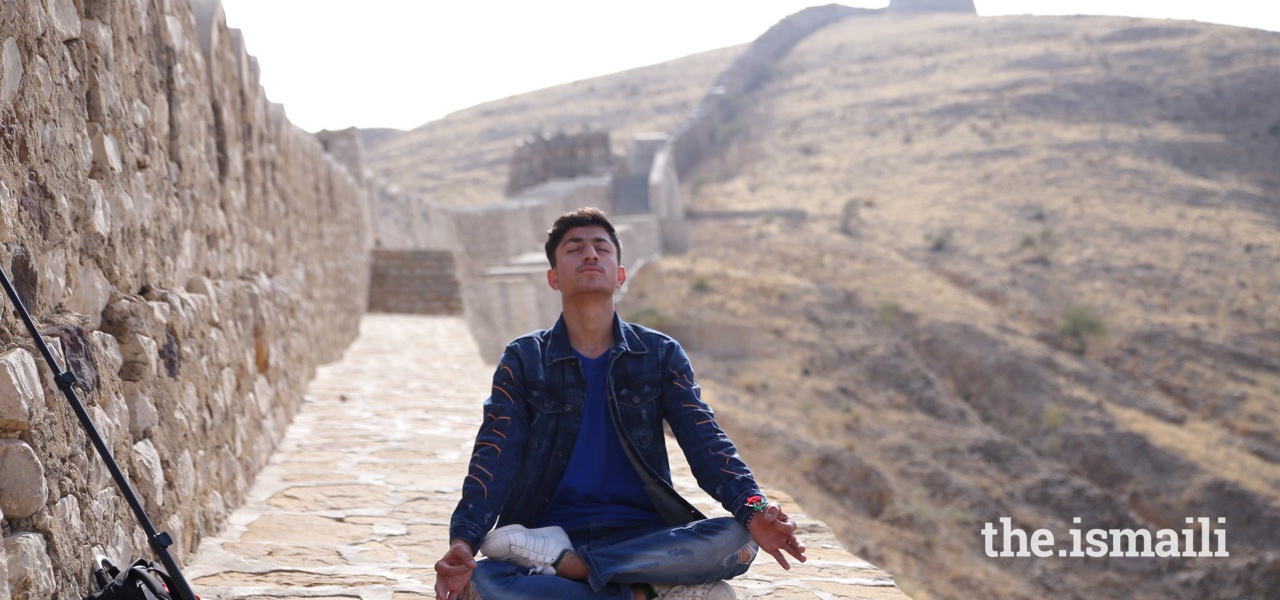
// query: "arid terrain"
[[462, 159], [1035, 279]]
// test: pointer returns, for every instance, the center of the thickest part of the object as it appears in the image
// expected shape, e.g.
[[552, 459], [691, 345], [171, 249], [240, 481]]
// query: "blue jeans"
[[700, 552]]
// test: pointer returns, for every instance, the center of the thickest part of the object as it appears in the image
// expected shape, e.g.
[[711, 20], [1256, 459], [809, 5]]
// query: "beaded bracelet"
[[757, 505]]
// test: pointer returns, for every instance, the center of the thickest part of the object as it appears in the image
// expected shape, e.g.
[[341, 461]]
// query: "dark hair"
[[583, 217]]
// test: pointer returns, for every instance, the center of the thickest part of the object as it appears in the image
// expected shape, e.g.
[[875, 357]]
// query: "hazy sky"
[[402, 63]]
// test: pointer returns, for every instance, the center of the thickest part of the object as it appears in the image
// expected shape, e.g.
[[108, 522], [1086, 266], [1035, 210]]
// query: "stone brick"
[[106, 152], [64, 18], [90, 291], [142, 411], [30, 570], [148, 476], [4, 569], [141, 358], [24, 491], [107, 350], [21, 395], [10, 70]]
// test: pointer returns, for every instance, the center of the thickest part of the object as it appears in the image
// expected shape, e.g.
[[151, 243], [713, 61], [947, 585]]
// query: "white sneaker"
[[535, 549], [718, 590]]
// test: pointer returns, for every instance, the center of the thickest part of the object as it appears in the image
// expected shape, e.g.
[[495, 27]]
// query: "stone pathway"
[[355, 503]]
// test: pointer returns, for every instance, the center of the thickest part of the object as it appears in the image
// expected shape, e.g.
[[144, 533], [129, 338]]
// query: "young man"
[[571, 463]]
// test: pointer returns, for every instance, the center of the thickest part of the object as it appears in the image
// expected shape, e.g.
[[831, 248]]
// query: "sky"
[[403, 63]]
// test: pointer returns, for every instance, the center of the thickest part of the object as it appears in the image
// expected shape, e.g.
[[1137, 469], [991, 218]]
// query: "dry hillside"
[[1036, 281], [462, 159]]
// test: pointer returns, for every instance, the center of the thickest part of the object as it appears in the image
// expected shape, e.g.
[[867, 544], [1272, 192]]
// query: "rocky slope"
[[1035, 281]]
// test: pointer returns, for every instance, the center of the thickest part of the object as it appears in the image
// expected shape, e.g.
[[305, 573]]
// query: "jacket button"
[[635, 399], [568, 408]]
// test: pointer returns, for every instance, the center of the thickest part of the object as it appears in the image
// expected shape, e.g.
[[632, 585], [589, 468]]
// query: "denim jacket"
[[534, 411]]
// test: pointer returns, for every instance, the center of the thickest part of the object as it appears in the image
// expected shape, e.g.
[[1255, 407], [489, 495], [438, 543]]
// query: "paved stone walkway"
[[355, 503]]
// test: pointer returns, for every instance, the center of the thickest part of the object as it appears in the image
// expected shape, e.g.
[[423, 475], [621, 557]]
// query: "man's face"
[[586, 262]]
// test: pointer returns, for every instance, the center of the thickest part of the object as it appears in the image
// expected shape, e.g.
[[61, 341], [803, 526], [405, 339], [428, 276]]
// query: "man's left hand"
[[774, 532]]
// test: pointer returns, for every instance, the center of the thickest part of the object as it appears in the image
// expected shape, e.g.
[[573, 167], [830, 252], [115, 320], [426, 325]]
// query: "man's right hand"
[[453, 572]]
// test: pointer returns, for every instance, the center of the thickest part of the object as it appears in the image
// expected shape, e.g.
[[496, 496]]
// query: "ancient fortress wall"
[[192, 257], [497, 248], [543, 157], [700, 133]]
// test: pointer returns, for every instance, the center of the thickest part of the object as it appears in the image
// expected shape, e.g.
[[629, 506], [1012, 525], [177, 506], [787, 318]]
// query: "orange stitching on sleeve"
[[508, 369], [495, 446], [504, 393], [684, 376], [486, 471], [500, 434], [482, 485], [703, 422]]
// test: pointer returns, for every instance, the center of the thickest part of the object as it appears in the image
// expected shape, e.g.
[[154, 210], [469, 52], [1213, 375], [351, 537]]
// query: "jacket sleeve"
[[712, 457], [496, 456]]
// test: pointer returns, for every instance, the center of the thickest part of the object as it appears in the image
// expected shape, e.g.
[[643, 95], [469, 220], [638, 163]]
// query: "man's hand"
[[453, 572], [774, 532]]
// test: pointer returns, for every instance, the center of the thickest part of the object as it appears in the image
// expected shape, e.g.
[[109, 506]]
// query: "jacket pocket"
[[546, 403], [640, 410]]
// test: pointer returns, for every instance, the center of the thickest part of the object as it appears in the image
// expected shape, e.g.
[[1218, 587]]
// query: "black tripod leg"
[[159, 542]]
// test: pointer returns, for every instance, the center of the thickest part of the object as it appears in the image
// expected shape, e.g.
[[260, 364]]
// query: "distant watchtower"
[[958, 6]]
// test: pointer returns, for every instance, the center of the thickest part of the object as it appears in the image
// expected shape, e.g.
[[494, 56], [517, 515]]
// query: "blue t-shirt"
[[599, 483]]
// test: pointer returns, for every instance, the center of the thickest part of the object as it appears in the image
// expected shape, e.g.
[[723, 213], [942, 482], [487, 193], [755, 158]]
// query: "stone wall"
[[497, 247], [541, 158], [407, 222], [956, 6], [190, 255], [490, 237], [420, 282], [701, 131]]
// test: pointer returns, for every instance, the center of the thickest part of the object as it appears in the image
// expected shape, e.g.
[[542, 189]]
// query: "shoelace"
[[539, 566]]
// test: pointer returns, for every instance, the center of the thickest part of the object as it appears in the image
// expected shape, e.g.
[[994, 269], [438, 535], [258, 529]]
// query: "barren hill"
[[1036, 281], [462, 159]]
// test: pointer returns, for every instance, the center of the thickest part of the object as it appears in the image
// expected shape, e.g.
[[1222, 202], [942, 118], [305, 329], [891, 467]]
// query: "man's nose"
[[591, 254]]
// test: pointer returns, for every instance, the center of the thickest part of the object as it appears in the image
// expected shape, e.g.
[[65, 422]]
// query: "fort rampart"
[[191, 257], [497, 247]]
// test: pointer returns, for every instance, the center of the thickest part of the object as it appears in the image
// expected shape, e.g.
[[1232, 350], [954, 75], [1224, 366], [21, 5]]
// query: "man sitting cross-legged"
[[570, 461]]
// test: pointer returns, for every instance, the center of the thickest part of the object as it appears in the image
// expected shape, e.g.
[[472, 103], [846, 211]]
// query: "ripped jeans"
[[700, 552]]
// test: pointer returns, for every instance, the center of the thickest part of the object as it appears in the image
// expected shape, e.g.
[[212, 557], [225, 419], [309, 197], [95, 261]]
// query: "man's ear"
[[622, 276], [553, 279]]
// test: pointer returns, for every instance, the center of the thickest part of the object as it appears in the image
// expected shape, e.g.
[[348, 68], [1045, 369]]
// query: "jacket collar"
[[625, 340]]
